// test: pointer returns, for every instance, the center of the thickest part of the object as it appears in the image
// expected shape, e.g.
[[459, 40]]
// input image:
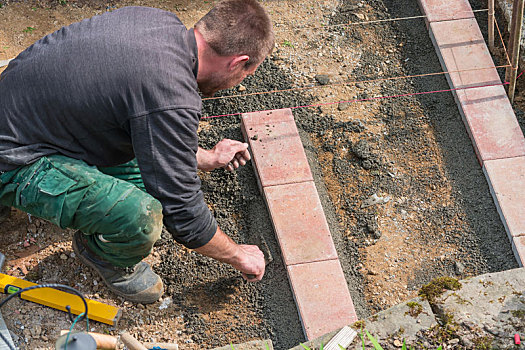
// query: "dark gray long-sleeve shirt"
[[108, 89]]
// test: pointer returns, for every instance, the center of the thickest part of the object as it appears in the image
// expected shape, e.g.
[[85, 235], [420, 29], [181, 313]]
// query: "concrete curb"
[[487, 113], [284, 177]]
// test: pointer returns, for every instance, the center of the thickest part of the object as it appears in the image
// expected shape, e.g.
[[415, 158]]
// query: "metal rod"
[[516, 44], [491, 25], [511, 36]]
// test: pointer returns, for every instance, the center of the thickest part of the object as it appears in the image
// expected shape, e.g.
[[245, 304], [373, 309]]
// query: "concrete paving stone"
[[485, 306], [486, 111], [322, 297], [491, 124], [518, 247], [277, 150], [439, 10], [461, 47], [506, 178], [299, 222]]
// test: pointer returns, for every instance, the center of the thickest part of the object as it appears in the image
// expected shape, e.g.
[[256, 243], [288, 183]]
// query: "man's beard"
[[216, 82]]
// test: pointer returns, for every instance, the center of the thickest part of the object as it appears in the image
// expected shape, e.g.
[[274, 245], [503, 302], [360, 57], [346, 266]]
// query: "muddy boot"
[[138, 283], [4, 212]]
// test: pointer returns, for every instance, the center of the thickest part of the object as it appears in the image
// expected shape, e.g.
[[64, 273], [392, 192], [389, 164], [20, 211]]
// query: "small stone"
[[360, 85], [398, 343], [36, 330], [343, 105], [241, 88], [322, 79], [360, 16], [460, 268], [453, 341], [63, 256]]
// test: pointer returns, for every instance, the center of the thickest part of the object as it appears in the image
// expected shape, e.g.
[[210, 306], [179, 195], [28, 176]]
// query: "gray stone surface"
[[252, 345], [394, 322], [486, 312], [489, 308], [401, 320]]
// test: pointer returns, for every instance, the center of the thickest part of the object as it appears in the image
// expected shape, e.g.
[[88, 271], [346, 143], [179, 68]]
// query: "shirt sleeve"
[[165, 145]]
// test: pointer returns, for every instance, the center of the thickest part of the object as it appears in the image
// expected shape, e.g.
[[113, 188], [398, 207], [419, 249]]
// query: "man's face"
[[224, 80]]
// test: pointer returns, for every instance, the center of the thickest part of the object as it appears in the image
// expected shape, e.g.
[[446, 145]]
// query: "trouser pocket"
[[49, 193]]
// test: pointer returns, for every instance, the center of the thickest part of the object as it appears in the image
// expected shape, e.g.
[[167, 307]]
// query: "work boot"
[[5, 211], [138, 283]]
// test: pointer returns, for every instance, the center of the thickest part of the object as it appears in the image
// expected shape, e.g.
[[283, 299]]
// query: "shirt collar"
[[192, 44]]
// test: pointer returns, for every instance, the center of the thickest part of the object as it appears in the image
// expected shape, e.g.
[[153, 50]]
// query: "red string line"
[[368, 99]]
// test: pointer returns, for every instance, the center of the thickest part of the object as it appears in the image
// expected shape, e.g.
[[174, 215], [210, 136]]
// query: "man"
[[98, 132]]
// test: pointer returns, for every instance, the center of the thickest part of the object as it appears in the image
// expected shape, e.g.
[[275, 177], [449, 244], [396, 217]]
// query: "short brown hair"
[[238, 27]]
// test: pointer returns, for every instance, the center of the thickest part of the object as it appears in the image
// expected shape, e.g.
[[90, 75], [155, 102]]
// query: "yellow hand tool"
[[58, 299]]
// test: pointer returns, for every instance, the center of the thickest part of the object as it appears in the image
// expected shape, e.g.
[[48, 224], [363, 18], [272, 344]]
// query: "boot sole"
[[143, 297]]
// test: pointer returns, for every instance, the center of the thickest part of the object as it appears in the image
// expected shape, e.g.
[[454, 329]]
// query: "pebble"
[[459, 267], [241, 88], [343, 106], [322, 79], [63, 256], [398, 343]]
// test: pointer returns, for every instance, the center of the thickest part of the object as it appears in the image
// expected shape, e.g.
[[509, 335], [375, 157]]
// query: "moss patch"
[[414, 309], [483, 343], [437, 287], [358, 324]]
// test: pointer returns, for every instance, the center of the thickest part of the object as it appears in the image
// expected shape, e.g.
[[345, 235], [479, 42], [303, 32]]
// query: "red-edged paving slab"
[[299, 222], [486, 110], [491, 123], [518, 246], [277, 150], [506, 178], [322, 297], [442, 10]]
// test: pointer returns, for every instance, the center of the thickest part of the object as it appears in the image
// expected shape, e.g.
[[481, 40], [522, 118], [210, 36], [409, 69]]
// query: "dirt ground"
[[434, 215]]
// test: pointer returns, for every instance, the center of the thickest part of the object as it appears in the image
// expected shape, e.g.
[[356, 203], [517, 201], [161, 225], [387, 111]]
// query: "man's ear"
[[238, 61]]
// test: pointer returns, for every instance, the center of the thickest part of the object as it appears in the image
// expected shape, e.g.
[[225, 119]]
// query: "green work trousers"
[[109, 205]]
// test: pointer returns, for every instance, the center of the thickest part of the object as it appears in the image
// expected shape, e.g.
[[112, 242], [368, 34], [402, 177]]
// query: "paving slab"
[[486, 111], [277, 150], [489, 307], [506, 178], [440, 10], [518, 247], [322, 297], [299, 222]]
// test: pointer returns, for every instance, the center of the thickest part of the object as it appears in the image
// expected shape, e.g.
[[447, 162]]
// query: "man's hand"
[[248, 259], [251, 264], [227, 154]]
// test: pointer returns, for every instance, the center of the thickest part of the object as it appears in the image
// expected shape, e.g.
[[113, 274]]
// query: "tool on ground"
[[162, 346], [76, 341], [58, 299], [131, 342], [3, 328], [342, 339], [103, 341]]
